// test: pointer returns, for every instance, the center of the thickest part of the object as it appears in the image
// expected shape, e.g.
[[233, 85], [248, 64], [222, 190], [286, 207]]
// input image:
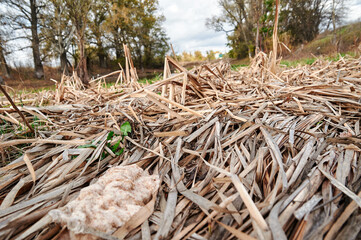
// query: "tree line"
[[88, 31], [249, 24]]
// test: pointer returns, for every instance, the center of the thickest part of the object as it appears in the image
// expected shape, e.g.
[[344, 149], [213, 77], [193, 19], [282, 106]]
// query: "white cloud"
[[354, 10], [185, 25]]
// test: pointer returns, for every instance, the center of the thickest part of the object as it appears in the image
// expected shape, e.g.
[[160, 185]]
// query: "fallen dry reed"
[[249, 154]]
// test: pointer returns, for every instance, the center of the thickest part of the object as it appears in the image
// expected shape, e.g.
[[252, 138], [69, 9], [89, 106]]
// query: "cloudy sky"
[[354, 12], [185, 23]]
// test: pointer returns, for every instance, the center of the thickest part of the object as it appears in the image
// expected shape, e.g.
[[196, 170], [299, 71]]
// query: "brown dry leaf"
[[137, 219], [30, 167], [235, 232]]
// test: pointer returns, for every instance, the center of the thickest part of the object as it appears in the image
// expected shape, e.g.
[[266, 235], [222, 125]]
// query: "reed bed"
[[240, 155]]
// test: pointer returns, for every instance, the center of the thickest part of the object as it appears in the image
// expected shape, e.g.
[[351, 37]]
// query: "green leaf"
[[125, 128], [115, 147], [104, 155], [110, 135], [88, 146], [119, 152]]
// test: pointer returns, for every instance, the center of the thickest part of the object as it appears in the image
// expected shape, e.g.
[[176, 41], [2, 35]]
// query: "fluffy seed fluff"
[[110, 202]]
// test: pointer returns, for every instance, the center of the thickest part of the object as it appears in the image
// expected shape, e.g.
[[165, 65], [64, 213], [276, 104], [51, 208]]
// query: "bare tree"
[[98, 17], [3, 64], [4, 67], [257, 9], [35, 42], [336, 13], [237, 20], [58, 31], [23, 15], [78, 14], [247, 21]]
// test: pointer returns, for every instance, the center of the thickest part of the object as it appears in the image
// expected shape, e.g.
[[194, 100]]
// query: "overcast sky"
[[355, 10], [185, 25]]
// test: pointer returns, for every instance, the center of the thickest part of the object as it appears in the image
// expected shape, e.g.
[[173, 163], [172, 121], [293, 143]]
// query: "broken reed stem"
[[17, 109], [275, 41], [174, 55]]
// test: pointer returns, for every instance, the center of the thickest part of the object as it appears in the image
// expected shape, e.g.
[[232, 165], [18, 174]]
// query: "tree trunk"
[[273, 65], [257, 38], [82, 66], [4, 67], [118, 54], [118, 48], [64, 63], [39, 70], [116, 43], [334, 22], [102, 60], [258, 14], [147, 56], [101, 54], [140, 59]]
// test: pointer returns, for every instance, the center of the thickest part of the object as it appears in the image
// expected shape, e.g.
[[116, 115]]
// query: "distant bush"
[[347, 39]]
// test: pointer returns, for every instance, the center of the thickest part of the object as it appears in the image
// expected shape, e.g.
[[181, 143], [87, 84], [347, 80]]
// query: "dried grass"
[[249, 154]]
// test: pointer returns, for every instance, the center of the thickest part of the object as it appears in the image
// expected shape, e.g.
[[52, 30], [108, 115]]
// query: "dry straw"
[[249, 154]]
